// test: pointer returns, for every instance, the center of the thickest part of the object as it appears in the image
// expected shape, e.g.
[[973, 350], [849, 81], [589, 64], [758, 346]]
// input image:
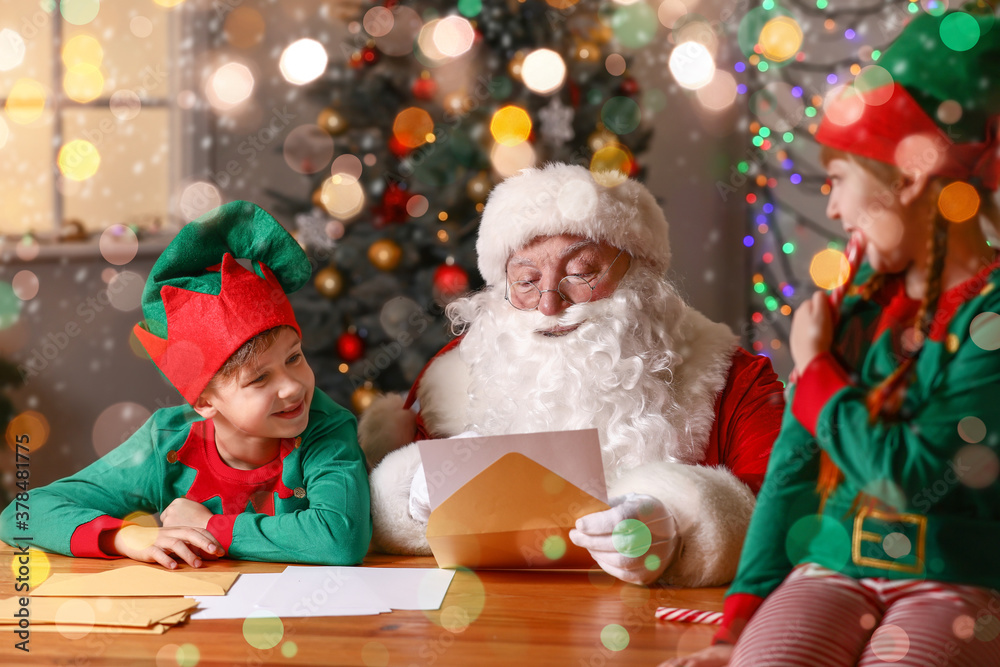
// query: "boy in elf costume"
[[876, 533], [259, 465]]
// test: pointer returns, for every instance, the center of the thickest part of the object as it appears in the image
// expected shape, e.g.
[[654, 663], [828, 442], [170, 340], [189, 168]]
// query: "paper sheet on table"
[[131, 612], [71, 631], [321, 591], [136, 581], [508, 502], [240, 599], [402, 588]]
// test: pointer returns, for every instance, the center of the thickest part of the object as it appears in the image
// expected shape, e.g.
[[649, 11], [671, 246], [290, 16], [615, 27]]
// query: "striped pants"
[[819, 618]]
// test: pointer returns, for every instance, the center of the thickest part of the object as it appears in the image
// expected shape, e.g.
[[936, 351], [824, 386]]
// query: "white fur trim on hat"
[[565, 199]]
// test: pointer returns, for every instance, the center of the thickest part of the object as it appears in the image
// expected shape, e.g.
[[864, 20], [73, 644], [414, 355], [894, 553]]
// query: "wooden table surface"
[[488, 618]]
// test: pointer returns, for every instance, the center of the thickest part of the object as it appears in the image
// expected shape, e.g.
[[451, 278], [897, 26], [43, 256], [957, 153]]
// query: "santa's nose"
[[552, 303]]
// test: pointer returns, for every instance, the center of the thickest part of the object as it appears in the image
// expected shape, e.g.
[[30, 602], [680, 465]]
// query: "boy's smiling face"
[[268, 398]]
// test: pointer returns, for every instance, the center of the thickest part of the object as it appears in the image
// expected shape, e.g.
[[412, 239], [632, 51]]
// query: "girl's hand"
[[812, 331], [184, 512], [149, 544], [713, 656]]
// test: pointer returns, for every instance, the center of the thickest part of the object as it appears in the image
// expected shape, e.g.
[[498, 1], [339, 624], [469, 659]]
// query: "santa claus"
[[578, 328]]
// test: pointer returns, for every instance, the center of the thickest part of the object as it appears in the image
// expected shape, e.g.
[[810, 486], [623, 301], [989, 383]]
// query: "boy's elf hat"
[[200, 305], [935, 105]]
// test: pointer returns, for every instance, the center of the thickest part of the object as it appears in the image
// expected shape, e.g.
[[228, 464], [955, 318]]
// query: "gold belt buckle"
[[917, 521]]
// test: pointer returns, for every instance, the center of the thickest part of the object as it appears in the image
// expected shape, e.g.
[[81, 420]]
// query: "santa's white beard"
[[612, 373]]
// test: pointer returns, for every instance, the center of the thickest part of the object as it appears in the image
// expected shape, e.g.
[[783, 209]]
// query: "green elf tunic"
[[309, 505], [932, 473]]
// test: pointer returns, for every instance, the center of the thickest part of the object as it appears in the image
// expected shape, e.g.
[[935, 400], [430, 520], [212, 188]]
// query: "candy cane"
[[689, 615]]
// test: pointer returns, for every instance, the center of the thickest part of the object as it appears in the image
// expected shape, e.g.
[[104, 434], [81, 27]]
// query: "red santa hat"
[[569, 199]]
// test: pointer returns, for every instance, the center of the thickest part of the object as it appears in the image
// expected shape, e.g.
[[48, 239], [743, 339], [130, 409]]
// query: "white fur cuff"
[[396, 532], [712, 509], [385, 426]]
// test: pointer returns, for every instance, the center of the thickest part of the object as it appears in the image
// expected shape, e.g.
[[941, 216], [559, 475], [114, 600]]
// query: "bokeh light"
[[635, 25], [4, 132], [82, 50], [187, 655], [79, 12], [670, 11], [289, 649], [780, 38], [615, 64], [890, 643], [78, 160], [621, 114], [308, 149], [244, 27], [949, 112], [823, 530], [918, 153], [125, 104], [611, 165], [720, 93], [874, 85], [10, 305], [412, 127], [83, 83], [614, 637], [985, 331], [692, 65], [140, 26], [417, 206], [12, 49], [125, 291], [510, 125], [25, 101], [543, 71], [25, 284], [959, 31], [230, 85], [199, 198], [342, 196], [450, 37], [375, 654], [977, 465], [829, 269], [378, 21], [464, 603], [896, 545], [631, 538], [303, 61], [958, 201], [263, 629], [347, 164], [554, 547], [115, 423], [843, 105], [29, 428], [508, 160], [75, 618], [406, 25], [38, 568], [971, 429]]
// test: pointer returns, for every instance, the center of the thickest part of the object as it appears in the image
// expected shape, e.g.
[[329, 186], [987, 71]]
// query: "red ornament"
[[369, 55], [629, 87], [393, 204], [350, 346], [424, 88], [574, 94], [398, 148], [451, 279]]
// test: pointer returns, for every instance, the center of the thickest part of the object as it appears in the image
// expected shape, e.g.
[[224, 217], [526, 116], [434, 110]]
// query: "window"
[[86, 124]]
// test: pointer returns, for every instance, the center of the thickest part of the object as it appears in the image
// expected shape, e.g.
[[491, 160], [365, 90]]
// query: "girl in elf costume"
[[259, 465], [876, 534]]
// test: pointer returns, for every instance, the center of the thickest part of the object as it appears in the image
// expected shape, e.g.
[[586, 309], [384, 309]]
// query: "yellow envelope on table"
[[136, 581], [508, 502], [103, 611]]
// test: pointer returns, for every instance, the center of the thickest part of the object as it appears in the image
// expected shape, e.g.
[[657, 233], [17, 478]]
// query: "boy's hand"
[[713, 656], [165, 546], [812, 330], [184, 512]]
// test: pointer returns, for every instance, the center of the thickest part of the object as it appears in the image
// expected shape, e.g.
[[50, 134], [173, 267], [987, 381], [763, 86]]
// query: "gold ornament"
[[329, 282], [515, 65], [362, 397], [332, 121], [457, 103], [587, 52], [479, 186], [385, 254]]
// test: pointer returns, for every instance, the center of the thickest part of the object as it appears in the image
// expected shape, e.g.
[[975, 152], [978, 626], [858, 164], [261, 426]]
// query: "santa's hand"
[[634, 541], [420, 500]]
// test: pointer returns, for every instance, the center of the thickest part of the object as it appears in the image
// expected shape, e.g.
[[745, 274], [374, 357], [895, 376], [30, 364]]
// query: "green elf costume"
[[917, 500], [309, 505]]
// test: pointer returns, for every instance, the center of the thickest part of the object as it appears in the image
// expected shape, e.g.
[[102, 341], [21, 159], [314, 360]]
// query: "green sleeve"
[[788, 495], [336, 528], [898, 461], [68, 516]]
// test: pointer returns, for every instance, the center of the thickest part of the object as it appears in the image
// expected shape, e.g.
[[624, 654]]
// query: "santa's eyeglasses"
[[525, 295]]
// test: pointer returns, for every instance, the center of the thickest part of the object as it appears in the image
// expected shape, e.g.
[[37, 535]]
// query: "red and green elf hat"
[[934, 106], [200, 305]]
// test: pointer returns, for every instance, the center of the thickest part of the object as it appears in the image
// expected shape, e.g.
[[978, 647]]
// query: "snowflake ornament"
[[557, 122]]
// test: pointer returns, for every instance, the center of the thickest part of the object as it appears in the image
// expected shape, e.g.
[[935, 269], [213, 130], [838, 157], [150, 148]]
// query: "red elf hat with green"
[[201, 305], [934, 106]]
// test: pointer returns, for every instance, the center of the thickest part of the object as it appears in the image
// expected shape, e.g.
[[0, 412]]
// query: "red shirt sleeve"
[[85, 540], [736, 613], [411, 398], [747, 419]]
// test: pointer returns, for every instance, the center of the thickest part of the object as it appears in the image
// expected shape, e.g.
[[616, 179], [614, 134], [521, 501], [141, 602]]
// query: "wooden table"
[[488, 618]]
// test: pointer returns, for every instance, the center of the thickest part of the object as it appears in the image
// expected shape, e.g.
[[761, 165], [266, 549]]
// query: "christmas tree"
[[438, 102]]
